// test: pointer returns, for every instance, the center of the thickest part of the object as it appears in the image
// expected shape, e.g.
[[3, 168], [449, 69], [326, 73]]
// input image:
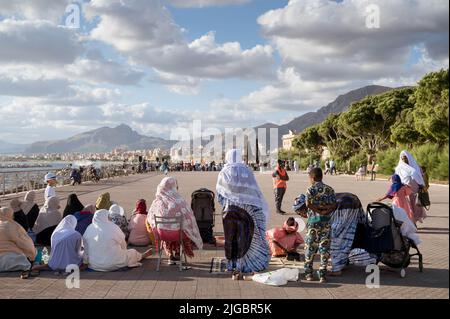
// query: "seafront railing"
[[17, 181]]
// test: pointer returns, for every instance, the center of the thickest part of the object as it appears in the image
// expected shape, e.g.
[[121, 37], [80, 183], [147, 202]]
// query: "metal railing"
[[17, 181]]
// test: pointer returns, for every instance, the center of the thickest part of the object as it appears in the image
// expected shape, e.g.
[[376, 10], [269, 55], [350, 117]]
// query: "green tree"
[[310, 140], [431, 107]]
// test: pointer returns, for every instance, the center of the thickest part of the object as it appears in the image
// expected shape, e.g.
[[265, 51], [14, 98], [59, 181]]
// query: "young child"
[[284, 239], [399, 194], [320, 202], [50, 179]]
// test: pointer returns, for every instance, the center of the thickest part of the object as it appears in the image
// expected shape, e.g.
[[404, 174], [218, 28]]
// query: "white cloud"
[[37, 42], [51, 10], [95, 69], [326, 40], [205, 3], [145, 31]]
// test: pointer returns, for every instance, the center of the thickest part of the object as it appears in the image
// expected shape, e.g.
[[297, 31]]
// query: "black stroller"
[[384, 239], [202, 203]]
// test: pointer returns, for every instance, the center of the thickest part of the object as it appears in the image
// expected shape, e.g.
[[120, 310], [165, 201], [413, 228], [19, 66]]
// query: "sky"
[[158, 65]]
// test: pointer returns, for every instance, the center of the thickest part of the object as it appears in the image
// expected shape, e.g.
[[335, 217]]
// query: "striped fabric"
[[344, 222], [257, 257]]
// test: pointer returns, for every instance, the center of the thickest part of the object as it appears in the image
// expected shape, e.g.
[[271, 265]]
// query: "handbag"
[[423, 198]]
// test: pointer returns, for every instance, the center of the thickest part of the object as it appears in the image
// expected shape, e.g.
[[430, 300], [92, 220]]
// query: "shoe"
[[323, 280]]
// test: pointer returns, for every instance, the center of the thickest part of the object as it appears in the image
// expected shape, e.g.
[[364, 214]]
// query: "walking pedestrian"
[[280, 178]]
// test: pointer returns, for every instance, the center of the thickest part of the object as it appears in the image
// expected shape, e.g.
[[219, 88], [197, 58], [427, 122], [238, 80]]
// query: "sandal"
[[25, 274], [236, 276]]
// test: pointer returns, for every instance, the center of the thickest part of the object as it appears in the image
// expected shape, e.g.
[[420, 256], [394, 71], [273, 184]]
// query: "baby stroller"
[[202, 203], [384, 239]]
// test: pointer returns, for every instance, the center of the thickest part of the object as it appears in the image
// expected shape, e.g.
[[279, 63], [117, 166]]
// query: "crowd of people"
[[98, 236]]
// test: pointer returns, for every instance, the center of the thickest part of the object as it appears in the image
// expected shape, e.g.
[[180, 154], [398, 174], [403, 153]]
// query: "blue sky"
[[160, 64]]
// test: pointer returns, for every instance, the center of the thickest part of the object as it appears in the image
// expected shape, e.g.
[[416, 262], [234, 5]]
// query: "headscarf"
[[15, 205], [409, 172], [101, 222], [64, 229], [396, 185], [103, 201], [6, 214], [73, 205], [170, 204], [290, 229], [49, 215], [88, 209], [238, 184], [116, 210], [28, 202], [141, 207]]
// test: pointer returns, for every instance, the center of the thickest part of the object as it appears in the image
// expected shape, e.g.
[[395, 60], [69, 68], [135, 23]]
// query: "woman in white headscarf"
[[47, 220], [411, 174], [30, 208], [170, 204], [66, 245], [105, 248], [245, 216]]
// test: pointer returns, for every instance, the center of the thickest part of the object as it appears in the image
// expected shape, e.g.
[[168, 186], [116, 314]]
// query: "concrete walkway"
[[145, 282]]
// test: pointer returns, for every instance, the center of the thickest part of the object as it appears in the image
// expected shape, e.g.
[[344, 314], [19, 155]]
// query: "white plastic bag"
[[278, 277]]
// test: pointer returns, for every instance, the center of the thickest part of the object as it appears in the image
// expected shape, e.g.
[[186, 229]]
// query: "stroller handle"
[[376, 205]]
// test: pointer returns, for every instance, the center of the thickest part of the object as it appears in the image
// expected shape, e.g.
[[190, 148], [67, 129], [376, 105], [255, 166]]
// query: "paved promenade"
[[145, 282]]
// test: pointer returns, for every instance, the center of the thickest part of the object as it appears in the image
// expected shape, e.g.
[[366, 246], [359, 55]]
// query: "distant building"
[[287, 140]]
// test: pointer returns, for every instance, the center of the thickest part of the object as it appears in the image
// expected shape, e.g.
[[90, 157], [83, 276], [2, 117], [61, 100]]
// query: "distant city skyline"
[[155, 64]]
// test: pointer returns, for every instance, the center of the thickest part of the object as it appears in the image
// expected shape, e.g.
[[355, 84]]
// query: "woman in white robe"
[[411, 174], [105, 248]]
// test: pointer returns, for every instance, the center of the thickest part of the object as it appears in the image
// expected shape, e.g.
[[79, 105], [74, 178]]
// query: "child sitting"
[[285, 239]]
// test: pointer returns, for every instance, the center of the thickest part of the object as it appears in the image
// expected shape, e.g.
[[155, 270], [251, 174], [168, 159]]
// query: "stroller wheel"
[[403, 273]]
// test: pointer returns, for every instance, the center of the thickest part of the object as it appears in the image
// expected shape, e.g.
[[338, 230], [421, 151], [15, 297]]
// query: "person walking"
[[280, 178], [332, 164], [295, 164]]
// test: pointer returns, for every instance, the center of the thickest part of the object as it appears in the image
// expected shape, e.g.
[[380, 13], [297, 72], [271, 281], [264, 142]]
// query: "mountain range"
[[341, 104], [106, 139]]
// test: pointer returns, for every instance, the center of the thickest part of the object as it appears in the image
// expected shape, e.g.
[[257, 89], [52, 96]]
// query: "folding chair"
[[176, 223]]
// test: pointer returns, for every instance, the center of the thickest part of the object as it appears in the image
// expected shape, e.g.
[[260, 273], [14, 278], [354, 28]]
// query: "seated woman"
[[73, 205], [48, 218], [105, 248], [139, 236], [245, 215], [84, 218], [16, 247], [285, 239], [103, 202], [168, 203], [344, 222], [399, 194], [66, 245], [19, 215], [117, 216], [30, 208]]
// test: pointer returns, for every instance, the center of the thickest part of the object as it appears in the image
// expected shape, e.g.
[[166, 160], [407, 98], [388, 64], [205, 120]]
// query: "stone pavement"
[[198, 283]]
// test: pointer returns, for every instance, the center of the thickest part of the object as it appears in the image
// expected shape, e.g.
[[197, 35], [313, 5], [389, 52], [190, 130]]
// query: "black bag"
[[378, 241], [423, 198]]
